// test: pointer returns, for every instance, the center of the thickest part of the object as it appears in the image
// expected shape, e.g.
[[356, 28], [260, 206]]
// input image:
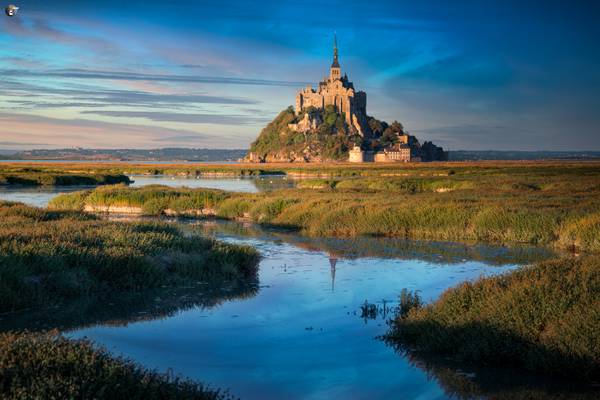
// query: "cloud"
[[134, 76], [15, 144], [462, 71], [182, 138], [94, 94], [181, 117], [482, 137], [32, 130]]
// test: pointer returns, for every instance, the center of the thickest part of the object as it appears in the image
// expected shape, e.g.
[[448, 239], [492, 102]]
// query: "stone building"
[[338, 91], [357, 155], [400, 153], [324, 139]]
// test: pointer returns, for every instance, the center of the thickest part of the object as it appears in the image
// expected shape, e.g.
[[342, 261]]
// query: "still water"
[[241, 184], [40, 196], [299, 332], [35, 196], [302, 335]]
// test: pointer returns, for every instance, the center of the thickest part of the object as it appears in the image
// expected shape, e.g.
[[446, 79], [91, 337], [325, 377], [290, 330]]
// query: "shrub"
[[51, 367], [582, 233], [544, 318], [52, 256]]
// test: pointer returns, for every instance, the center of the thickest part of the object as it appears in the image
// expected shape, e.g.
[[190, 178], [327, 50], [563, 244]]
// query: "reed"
[[52, 256], [48, 366], [542, 206], [544, 318], [39, 176]]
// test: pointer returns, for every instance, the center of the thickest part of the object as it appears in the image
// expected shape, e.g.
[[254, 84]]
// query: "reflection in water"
[[36, 196], [467, 382], [382, 247], [41, 196], [252, 184], [332, 263], [299, 335], [124, 309]]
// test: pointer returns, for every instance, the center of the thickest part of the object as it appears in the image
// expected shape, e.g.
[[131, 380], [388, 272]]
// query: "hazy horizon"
[[496, 75]]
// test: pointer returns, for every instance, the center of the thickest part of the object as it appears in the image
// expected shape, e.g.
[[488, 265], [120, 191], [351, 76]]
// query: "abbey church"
[[338, 91], [331, 124]]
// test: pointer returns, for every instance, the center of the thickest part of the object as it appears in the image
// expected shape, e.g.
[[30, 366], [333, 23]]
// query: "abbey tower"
[[330, 123], [337, 90]]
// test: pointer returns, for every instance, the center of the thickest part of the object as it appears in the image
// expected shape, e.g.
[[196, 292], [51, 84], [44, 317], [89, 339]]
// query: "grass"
[[34, 176], [48, 366], [518, 169], [544, 318], [52, 256], [541, 204]]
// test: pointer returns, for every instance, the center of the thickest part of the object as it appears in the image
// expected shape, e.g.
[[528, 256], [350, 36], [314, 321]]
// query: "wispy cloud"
[[180, 139], [33, 131], [133, 76], [181, 117]]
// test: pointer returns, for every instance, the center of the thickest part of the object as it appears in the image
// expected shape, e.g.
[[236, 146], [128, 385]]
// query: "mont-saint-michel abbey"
[[338, 91], [330, 123]]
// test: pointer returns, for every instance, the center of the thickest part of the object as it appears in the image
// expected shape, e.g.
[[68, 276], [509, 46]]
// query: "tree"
[[389, 137], [397, 127]]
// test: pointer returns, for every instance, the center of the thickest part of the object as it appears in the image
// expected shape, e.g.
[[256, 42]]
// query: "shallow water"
[[241, 184], [36, 196], [300, 333], [41, 196]]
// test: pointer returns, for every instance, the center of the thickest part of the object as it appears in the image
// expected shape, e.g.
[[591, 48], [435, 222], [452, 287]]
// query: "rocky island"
[[331, 124]]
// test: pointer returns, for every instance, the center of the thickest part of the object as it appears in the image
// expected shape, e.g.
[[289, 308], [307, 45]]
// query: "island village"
[[330, 123]]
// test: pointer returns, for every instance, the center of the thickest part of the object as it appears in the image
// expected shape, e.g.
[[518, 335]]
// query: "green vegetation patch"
[[544, 318], [331, 141], [52, 256], [540, 206], [46, 177], [48, 366]]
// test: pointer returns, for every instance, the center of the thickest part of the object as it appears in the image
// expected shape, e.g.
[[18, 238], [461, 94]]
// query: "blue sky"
[[465, 74]]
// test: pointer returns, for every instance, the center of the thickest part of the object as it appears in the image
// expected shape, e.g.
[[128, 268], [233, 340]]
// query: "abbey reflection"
[[332, 263]]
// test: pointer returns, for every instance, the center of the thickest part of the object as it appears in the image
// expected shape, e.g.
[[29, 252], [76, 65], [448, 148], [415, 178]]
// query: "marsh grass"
[[544, 318], [32, 176], [517, 169], [50, 256], [48, 366], [543, 205]]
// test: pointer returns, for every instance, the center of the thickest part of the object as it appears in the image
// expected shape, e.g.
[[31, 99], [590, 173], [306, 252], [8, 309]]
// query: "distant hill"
[[167, 154], [474, 155], [216, 155]]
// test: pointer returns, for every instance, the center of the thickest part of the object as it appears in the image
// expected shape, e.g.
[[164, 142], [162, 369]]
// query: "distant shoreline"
[[220, 156], [91, 161]]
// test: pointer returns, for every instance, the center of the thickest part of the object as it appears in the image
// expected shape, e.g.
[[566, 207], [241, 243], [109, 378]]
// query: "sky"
[[468, 75]]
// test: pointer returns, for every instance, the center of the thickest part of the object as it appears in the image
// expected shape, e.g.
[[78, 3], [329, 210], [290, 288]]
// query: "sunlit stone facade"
[[337, 90]]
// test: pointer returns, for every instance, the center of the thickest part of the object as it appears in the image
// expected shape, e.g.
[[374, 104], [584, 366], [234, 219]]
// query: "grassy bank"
[[548, 206], [33, 176], [522, 169], [51, 367], [47, 257], [544, 318]]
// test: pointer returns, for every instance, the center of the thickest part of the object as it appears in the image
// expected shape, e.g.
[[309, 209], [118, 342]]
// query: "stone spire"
[[335, 72], [335, 52]]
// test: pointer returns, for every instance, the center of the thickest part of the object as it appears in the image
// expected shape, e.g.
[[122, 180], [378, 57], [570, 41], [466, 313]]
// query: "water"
[[300, 333], [35, 196], [41, 196], [241, 184]]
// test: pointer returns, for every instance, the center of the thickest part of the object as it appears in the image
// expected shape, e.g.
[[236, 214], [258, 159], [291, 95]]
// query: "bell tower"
[[335, 72]]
